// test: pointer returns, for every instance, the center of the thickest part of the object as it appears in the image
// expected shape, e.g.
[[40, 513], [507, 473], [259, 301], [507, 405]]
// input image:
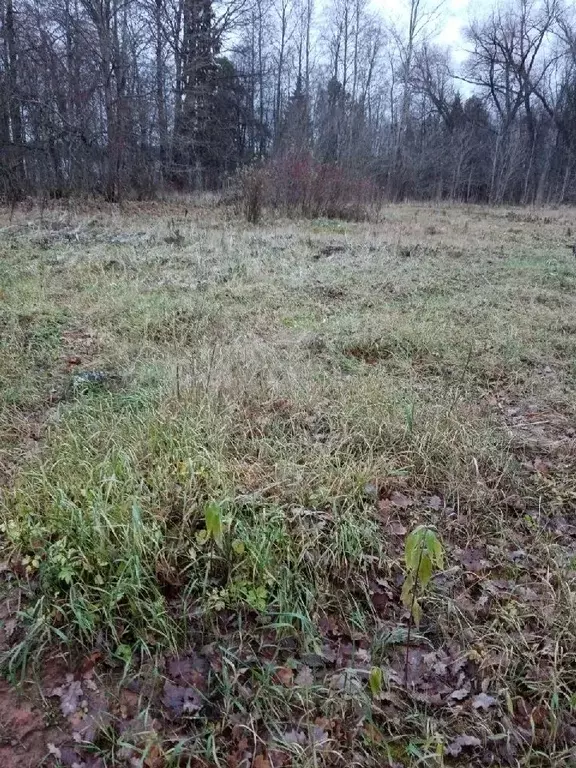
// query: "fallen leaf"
[[294, 737], [191, 670], [180, 700], [9, 627], [53, 750], [455, 747], [400, 500], [86, 668], [318, 736], [397, 529], [541, 466], [154, 757], [472, 560], [483, 701], [70, 695], [372, 732], [460, 694], [278, 759], [285, 676], [304, 678], [435, 502], [260, 761]]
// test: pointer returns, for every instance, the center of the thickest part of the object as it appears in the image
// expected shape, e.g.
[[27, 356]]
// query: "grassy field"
[[214, 441]]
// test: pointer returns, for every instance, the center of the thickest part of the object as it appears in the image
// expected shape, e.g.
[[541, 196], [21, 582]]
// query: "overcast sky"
[[453, 18]]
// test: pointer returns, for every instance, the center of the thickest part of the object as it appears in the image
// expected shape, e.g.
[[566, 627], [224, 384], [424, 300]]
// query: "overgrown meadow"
[[216, 440]]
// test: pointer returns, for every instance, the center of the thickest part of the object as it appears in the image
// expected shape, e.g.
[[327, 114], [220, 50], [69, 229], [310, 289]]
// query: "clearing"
[[214, 441]]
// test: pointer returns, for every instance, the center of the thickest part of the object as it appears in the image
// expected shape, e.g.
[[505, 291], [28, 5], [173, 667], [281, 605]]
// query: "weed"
[[423, 552], [253, 182]]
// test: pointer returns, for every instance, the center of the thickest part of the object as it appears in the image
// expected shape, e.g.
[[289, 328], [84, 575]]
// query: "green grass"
[[295, 395]]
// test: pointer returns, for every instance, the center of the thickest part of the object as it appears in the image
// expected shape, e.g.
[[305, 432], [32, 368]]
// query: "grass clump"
[[113, 532]]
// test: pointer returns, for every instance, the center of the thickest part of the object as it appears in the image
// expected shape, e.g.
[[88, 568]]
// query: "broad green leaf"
[[430, 539], [238, 546], [66, 574], [412, 550], [375, 681], [423, 551], [438, 551], [407, 591], [124, 652], [213, 517], [424, 571]]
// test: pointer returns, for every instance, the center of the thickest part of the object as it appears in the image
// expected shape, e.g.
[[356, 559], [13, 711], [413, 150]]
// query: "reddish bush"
[[306, 187], [301, 186]]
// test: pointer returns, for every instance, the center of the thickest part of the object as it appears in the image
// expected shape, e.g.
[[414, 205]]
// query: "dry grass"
[[328, 386]]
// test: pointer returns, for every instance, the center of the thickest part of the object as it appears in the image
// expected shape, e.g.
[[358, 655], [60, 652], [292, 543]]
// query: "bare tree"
[[124, 97], [506, 62]]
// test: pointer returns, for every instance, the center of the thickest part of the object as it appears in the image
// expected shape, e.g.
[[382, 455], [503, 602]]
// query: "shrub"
[[303, 186], [252, 195], [299, 185]]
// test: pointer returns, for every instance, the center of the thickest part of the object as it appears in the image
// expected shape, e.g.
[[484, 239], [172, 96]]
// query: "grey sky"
[[453, 18]]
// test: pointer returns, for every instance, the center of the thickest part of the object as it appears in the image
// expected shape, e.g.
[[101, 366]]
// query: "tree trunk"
[[17, 169], [160, 94]]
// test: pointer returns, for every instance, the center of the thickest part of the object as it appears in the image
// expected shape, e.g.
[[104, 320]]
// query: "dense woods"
[[134, 97]]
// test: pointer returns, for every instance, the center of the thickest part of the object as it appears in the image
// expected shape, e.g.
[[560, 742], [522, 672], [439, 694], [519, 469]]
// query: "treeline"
[[135, 97]]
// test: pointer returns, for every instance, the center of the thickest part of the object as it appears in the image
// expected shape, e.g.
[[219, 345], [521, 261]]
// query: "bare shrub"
[[299, 185], [252, 193], [302, 186]]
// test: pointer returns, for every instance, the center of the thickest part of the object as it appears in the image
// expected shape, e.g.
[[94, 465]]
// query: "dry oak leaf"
[[70, 695], [304, 678], [285, 676], [180, 700], [483, 701], [400, 500], [461, 742]]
